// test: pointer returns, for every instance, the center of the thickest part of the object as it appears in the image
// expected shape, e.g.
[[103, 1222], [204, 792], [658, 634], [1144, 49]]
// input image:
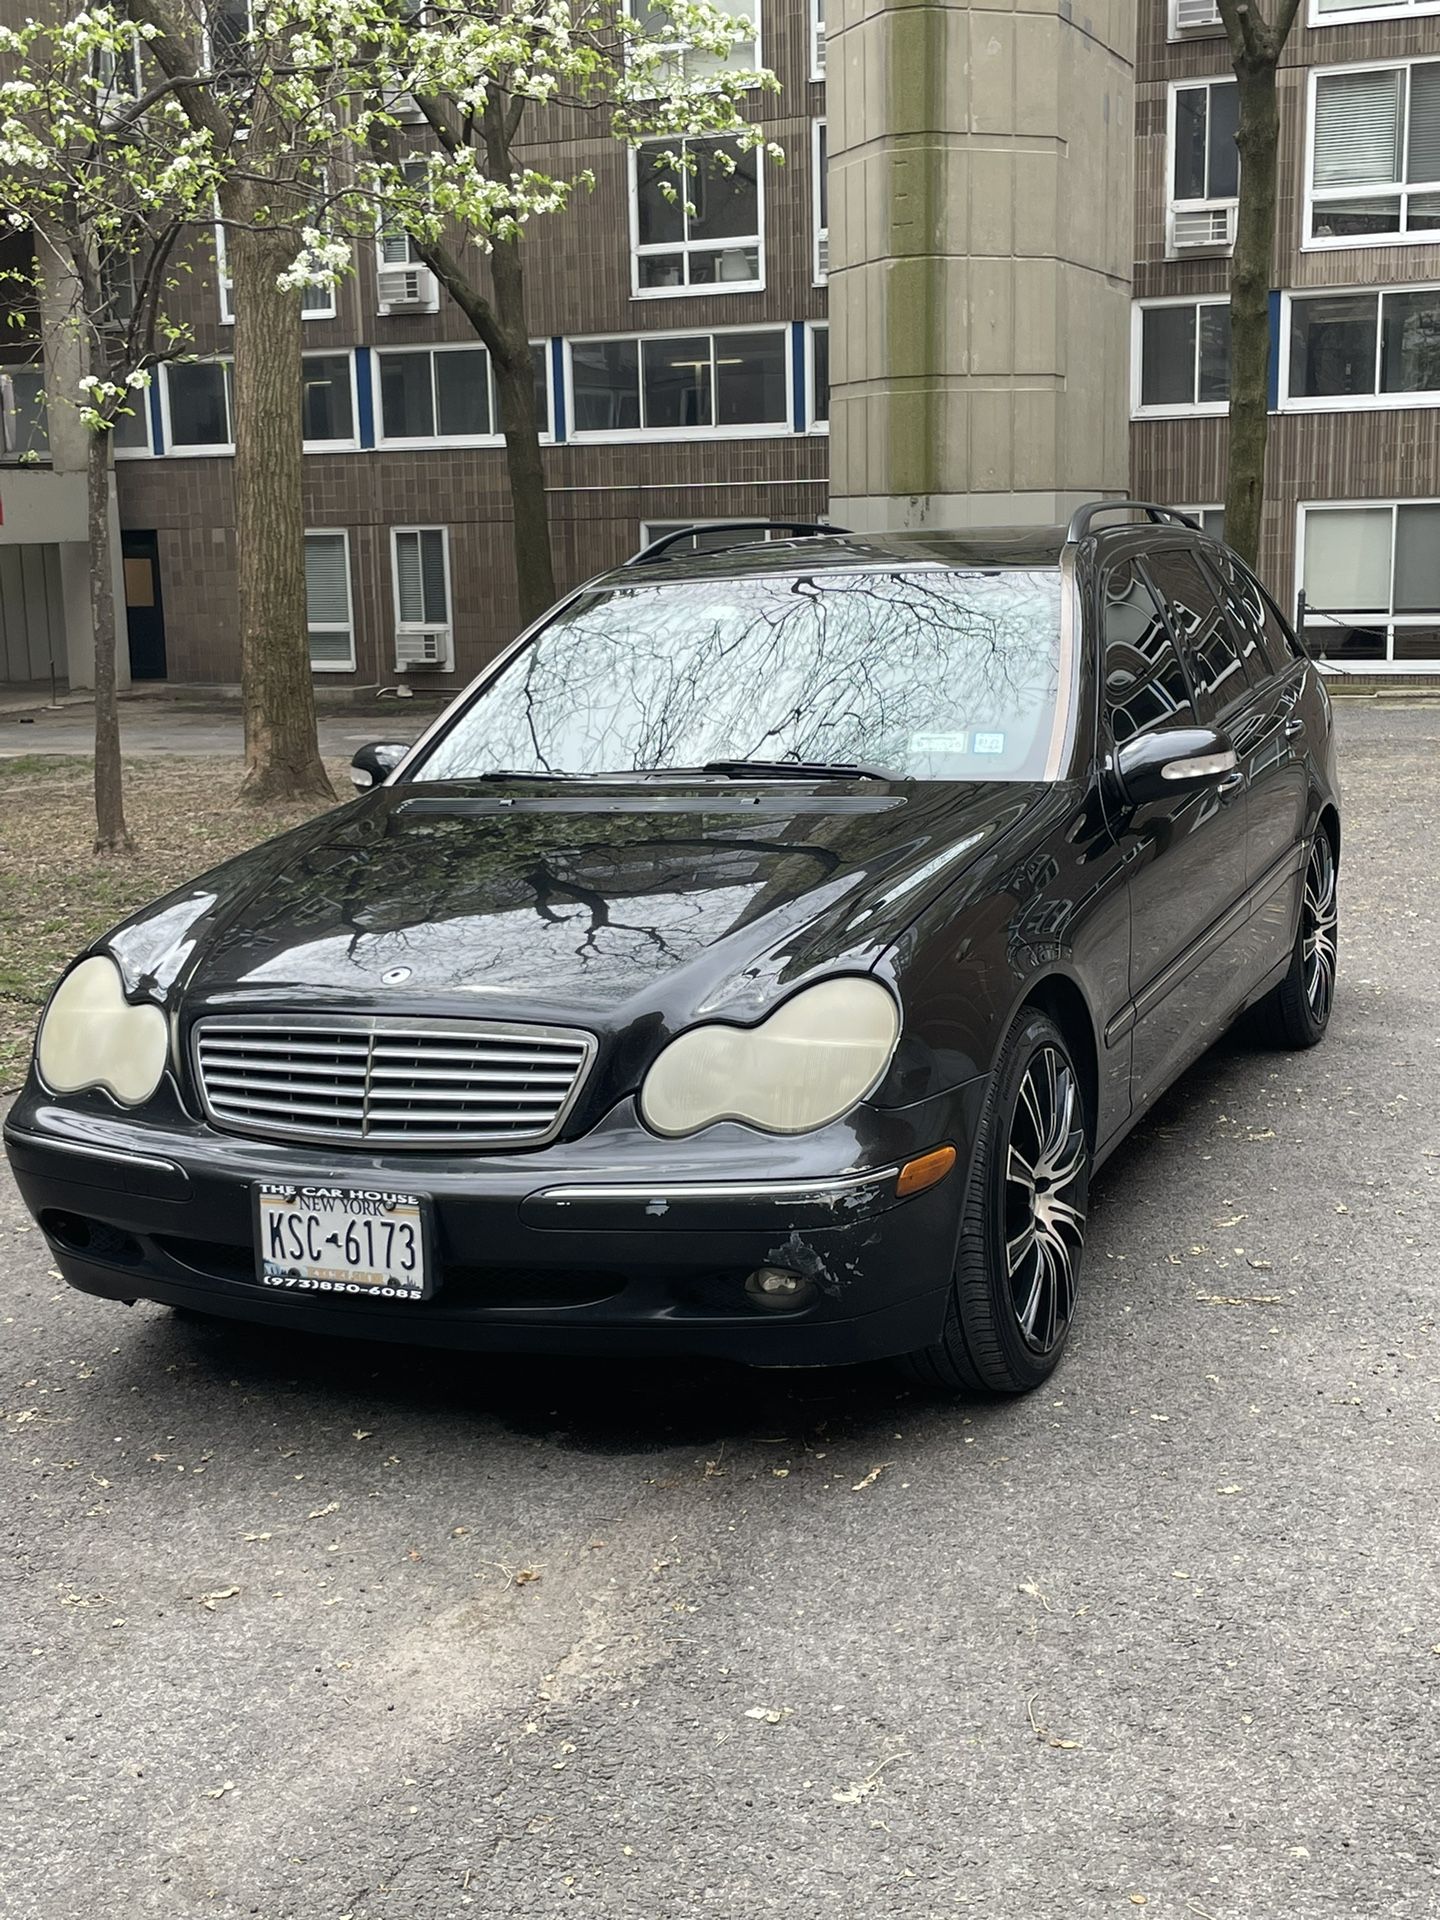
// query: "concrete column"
[[980, 202]]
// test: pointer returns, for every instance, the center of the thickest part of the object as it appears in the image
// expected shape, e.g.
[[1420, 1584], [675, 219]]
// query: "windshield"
[[932, 675]]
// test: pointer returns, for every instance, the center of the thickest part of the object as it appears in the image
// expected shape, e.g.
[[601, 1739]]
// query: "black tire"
[[1295, 1014], [1013, 1298]]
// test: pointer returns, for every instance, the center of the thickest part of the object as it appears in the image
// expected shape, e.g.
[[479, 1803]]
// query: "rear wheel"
[[1017, 1265], [1296, 1013]]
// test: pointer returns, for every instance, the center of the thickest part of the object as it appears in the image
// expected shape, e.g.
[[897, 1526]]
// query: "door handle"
[[1295, 724], [1232, 782]]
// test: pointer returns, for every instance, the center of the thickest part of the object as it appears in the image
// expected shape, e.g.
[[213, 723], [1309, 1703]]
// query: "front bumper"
[[610, 1245]]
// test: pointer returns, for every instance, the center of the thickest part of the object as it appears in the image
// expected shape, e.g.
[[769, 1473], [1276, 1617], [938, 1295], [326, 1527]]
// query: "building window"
[[1181, 357], [435, 395], [328, 612], [1332, 13], [197, 406], [327, 399], [676, 384], [817, 341], [817, 39], [1204, 165], [422, 576], [316, 303], [695, 63], [130, 435], [1371, 578], [820, 202], [1211, 519], [395, 246], [696, 226], [1375, 155], [1381, 347], [24, 424]]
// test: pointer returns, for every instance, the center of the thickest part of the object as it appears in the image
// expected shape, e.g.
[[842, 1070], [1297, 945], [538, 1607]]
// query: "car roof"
[[986, 547]]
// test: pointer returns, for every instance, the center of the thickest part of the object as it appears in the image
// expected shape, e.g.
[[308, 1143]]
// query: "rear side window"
[[1212, 648], [1144, 682], [1253, 612]]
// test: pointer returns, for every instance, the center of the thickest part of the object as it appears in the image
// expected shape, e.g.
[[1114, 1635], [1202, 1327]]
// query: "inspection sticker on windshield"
[[989, 743], [351, 1240], [939, 743]]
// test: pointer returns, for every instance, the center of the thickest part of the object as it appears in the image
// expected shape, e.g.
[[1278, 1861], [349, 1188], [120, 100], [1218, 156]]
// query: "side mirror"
[[1155, 766], [374, 763]]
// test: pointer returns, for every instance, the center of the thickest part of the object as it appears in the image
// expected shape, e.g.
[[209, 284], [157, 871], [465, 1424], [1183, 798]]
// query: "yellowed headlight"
[[807, 1064], [92, 1037]]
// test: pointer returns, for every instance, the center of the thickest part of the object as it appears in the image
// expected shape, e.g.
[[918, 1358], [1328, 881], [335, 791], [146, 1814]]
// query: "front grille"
[[389, 1083]]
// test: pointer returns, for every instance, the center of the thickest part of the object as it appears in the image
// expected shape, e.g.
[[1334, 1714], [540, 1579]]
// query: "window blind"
[[1357, 128], [327, 599], [1422, 162], [420, 577], [1347, 560]]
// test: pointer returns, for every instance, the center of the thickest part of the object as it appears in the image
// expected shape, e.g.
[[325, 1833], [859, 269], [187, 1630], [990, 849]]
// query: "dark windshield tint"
[[936, 675]]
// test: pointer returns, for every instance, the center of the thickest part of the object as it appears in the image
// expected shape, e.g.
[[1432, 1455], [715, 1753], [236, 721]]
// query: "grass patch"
[[56, 897]]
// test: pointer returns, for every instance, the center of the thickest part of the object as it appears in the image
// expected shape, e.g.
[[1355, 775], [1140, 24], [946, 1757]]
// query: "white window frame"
[[1176, 410], [207, 451], [1175, 33], [334, 666], [1198, 513], [817, 39], [1406, 10], [140, 405], [819, 234], [402, 625], [352, 443], [1375, 402], [748, 10], [1368, 617], [721, 288], [403, 443], [1209, 205], [224, 284], [1331, 243], [412, 259], [622, 436], [812, 424]]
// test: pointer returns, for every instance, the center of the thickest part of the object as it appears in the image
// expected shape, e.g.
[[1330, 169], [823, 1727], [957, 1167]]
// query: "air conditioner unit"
[[1197, 16], [404, 106], [822, 256], [1207, 227], [407, 289], [423, 649]]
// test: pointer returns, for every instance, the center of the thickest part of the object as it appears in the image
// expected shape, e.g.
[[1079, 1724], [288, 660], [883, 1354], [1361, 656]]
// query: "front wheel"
[[1296, 1013], [1017, 1265]]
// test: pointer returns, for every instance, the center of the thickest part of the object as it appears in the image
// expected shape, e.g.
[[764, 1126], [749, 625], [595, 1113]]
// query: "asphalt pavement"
[[303, 1631]]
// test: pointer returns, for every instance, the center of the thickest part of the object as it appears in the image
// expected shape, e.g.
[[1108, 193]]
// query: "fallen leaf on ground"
[[772, 1716], [872, 1476], [209, 1600]]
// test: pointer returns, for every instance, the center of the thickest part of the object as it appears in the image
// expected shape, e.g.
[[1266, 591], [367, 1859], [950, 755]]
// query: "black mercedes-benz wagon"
[[758, 960]]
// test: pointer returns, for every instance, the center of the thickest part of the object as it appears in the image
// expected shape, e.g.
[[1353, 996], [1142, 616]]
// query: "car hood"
[[568, 905]]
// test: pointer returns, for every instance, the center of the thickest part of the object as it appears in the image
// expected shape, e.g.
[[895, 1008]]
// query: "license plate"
[[342, 1240]]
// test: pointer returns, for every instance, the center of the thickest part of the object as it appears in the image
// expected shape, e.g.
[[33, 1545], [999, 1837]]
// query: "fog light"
[[776, 1290]]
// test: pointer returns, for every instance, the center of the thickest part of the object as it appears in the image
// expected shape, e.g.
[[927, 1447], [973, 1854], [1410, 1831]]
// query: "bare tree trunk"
[[515, 389], [111, 833], [282, 753], [1250, 270]]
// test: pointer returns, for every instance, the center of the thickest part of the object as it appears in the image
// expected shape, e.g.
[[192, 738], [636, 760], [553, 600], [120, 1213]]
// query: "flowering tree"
[[105, 177], [503, 91], [256, 89]]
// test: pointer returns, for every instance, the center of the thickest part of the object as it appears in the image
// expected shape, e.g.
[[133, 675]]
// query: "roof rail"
[[657, 549], [1082, 517]]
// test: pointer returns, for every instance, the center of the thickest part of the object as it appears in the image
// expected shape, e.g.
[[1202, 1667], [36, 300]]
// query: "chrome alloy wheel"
[[1319, 916], [1045, 1182]]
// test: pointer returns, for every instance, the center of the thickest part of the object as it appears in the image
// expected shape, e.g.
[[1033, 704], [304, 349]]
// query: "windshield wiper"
[[801, 769]]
